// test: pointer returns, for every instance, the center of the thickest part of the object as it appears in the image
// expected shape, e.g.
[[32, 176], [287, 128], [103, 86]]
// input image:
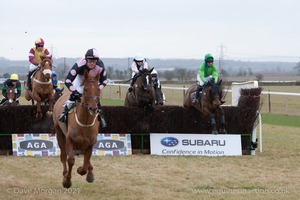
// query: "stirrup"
[[62, 117]]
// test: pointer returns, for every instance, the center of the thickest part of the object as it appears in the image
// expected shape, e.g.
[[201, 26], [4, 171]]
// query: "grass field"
[[272, 174]]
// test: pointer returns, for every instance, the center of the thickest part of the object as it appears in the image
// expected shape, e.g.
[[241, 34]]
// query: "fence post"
[[183, 91], [286, 105], [269, 95], [172, 97], [119, 92], [110, 92]]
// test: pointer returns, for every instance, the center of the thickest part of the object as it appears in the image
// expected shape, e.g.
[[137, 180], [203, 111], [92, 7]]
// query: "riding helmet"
[[92, 54], [39, 42], [14, 77]]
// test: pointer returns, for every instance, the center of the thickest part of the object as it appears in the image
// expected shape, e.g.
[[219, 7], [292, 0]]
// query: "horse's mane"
[[144, 70], [90, 75], [45, 58]]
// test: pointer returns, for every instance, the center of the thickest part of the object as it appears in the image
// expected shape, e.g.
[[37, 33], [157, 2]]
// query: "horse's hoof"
[[39, 115], [67, 184], [49, 113], [90, 177], [223, 131], [81, 171], [214, 132]]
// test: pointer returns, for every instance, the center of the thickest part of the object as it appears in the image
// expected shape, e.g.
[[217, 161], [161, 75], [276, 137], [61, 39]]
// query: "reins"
[[88, 107], [44, 72], [85, 125]]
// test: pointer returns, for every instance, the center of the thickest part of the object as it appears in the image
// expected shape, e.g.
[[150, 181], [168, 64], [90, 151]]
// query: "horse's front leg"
[[51, 103], [61, 139], [222, 116], [213, 123], [39, 114], [67, 183], [87, 167], [37, 98]]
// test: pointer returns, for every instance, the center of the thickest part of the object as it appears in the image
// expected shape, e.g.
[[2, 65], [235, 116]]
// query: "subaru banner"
[[195, 145]]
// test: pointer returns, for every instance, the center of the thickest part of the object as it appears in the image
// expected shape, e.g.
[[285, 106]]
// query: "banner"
[[35, 145], [195, 145], [46, 145], [112, 145]]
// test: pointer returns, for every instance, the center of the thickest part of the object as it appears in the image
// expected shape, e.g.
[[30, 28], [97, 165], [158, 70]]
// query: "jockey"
[[139, 62], [157, 85], [206, 72], [91, 62], [12, 81], [155, 81], [35, 60], [55, 82]]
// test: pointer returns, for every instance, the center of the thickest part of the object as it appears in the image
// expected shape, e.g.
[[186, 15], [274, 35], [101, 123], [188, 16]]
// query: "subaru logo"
[[169, 141]]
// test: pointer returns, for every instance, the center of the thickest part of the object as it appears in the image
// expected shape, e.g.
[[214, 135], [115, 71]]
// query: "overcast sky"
[[156, 28]]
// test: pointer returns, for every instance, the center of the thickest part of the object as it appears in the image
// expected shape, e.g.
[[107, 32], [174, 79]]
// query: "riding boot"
[[67, 107], [63, 116], [197, 95], [28, 86], [130, 89], [103, 123]]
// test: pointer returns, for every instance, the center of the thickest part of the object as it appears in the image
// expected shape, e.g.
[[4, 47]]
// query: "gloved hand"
[[75, 95], [209, 78]]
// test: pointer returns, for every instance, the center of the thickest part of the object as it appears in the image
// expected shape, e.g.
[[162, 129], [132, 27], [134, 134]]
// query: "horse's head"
[[46, 67], [11, 93], [58, 94], [215, 92], [144, 80], [91, 92]]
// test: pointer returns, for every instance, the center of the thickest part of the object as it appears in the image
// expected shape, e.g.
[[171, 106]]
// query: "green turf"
[[112, 102], [282, 120]]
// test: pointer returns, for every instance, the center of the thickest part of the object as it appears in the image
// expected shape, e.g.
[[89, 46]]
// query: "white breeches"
[[77, 83], [32, 67]]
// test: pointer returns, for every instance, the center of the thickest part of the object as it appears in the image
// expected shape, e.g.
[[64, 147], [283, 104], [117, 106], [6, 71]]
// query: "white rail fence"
[[273, 102]]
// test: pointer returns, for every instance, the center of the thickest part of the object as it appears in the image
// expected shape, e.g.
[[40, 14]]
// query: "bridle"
[[92, 110], [146, 82], [44, 73], [215, 94], [11, 89]]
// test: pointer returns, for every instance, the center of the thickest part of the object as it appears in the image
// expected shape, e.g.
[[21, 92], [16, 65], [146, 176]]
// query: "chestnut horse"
[[81, 131], [42, 87], [11, 96], [143, 94], [210, 103]]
